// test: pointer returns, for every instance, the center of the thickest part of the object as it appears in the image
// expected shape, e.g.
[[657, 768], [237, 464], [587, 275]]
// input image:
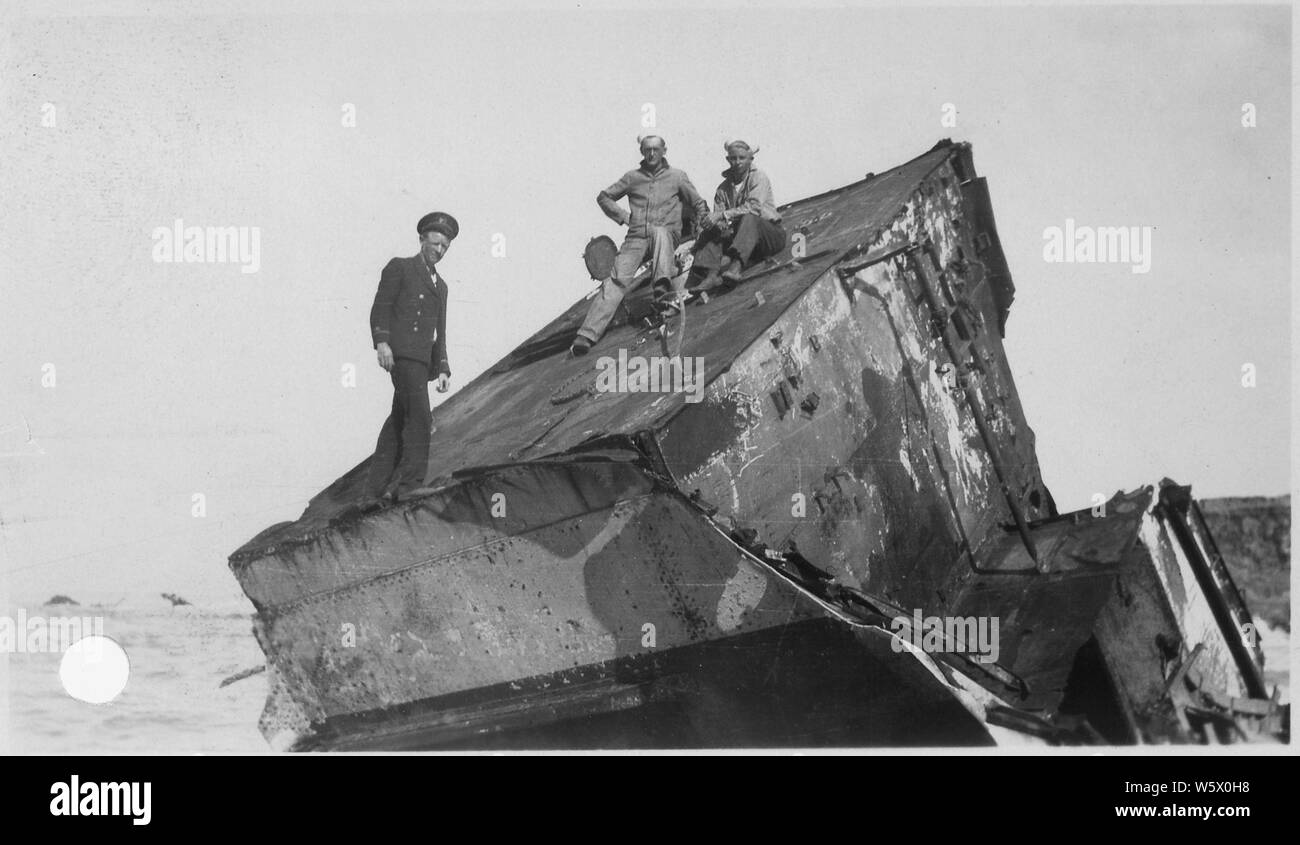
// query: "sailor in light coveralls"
[[656, 193]]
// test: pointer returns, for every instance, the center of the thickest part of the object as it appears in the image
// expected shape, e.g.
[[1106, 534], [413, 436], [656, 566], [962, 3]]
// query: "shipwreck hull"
[[605, 606], [1178, 642], [601, 568], [757, 689]]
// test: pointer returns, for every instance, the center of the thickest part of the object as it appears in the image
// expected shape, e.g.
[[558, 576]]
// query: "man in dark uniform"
[[408, 324]]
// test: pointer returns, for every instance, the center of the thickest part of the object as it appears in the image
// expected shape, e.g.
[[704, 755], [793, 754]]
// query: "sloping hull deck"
[[600, 568]]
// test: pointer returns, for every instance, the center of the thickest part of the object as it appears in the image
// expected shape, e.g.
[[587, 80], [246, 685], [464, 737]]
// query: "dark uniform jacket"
[[410, 314]]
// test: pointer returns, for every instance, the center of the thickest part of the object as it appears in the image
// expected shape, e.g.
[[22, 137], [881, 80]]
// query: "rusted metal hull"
[[806, 684], [1178, 641], [598, 569], [574, 611]]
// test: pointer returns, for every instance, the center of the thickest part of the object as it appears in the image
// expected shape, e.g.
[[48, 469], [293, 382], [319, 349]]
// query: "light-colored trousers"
[[659, 244]]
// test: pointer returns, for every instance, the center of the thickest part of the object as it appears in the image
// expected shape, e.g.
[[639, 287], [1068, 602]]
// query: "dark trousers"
[[751, 239], [402, 454]]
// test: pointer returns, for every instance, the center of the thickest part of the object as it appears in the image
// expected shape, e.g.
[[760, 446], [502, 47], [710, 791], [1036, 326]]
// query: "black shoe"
[[710, 282], [732, 270], [580, 347]]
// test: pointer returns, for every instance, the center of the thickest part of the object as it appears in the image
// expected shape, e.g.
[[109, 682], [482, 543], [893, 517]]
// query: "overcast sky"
[[177, 379]]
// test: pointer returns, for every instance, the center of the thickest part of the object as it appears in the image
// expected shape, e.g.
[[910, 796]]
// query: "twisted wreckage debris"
[[757, 568]]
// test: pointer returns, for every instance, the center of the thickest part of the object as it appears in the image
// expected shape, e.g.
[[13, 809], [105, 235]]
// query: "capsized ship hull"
[[606, 609], [601, 592], [617, 568]]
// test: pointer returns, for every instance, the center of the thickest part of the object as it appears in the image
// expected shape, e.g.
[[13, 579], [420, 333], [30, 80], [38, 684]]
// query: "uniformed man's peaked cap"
[[438, 221]]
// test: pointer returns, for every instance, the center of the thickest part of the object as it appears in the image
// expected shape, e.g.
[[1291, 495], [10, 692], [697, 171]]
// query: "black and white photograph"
[[712, 378]]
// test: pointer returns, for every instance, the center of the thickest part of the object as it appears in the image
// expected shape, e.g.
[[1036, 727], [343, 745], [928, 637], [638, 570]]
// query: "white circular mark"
[[94, 669]]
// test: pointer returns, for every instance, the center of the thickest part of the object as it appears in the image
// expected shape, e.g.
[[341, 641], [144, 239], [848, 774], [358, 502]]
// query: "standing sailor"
[[408, 324]]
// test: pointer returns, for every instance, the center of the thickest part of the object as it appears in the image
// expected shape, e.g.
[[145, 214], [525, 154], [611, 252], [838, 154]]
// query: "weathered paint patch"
[[1188, 602], [907, 465], [741, 594], [711, 427], [967, 452]]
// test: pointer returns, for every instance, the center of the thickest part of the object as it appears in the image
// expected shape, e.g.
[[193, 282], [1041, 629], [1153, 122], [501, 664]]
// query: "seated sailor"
[[744, 227], [657, 195]]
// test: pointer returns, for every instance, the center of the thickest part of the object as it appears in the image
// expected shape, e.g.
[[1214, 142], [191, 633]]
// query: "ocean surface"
[[173, 702]]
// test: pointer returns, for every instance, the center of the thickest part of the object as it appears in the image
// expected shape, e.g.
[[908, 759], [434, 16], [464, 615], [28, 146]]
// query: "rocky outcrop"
[[1254, 536]]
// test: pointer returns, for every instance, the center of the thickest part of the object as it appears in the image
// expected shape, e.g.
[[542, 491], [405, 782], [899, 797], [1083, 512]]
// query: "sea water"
[[172, 703]]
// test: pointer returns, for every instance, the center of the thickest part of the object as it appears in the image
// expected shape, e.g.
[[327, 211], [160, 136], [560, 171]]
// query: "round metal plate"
[[599, 257]]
